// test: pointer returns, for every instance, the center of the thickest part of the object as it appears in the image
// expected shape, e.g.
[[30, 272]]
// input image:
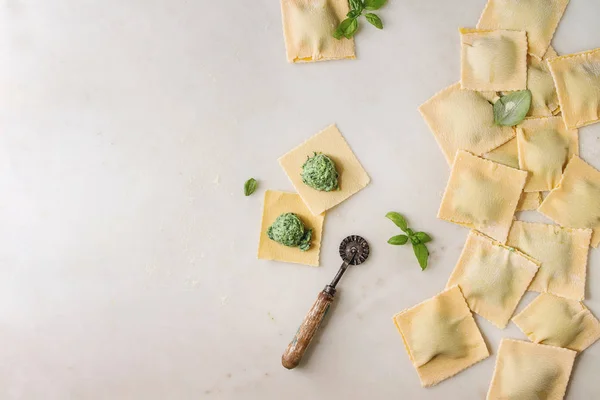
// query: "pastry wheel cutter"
[[354, 250]]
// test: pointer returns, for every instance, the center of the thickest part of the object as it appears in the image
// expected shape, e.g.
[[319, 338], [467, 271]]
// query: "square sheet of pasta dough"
[[441, 336], [530, 371], [308, 27], [545, 147], [493, 60], [577, 80], [352, 176], [482, 195], [544, 99], [562, 252], [538, 17], [492, 277], [508, 154], [275, 204], [463, 119], [559, 322], [575, 203]]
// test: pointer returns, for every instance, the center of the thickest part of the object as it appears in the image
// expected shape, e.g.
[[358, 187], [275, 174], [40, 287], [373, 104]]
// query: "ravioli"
[[530, 371], [544, 99], [441, 337], [508, 154], [493, 60], [482, 195], [492, 277], [577, 80], [275, 204], [559, 322], [575, 203], [538, 17], [308, 27], [464, 120], [563, 254], [352, 176], [545, 146]]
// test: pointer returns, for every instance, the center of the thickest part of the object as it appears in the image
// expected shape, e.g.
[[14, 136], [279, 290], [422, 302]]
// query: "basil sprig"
[[348, 27], [417, 239]]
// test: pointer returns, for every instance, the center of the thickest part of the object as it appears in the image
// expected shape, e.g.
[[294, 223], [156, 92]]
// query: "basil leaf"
[[422, 255], [423, 237], [338, 34], [374, 4], [353, 14], [511, 109], [397, 219], [414, 239], [356, 5], [349, 27], [250, 186], [374, 20], [398, 240]]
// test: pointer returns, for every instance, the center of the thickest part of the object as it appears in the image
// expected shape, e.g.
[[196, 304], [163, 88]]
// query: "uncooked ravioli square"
[[493, 60], [352, 176], [575, 203], [508, 154], [559, 322], [441, 336], [539, 18], [545, 147], [562, 252], [530, 371], [463, 119], [492, 277], [308, 27], [275, 204], [577, 80], [482, 195]]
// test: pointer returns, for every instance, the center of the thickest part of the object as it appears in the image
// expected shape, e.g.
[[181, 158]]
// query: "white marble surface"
[[127, 264]]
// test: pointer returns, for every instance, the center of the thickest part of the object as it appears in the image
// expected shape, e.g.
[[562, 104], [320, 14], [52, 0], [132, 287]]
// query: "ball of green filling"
[[290, 231], [319, 173]]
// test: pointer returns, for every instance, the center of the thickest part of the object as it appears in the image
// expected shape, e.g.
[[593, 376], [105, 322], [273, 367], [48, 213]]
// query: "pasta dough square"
[[441, 336], [559, 322], [545, 147], [577, 80], [508, 154], [492, 277], [308, 27], [352, 176], [538, 17], [562, 252], [493, 60], [575, 203], [530, 371], [482, 195], [464, 120], [544, 99], [275, 204]]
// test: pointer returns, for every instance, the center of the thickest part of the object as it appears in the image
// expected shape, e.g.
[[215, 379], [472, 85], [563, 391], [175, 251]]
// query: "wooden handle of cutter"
[[295, 350]]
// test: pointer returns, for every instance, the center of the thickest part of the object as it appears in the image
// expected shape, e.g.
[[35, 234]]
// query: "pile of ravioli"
[[497, 171]]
